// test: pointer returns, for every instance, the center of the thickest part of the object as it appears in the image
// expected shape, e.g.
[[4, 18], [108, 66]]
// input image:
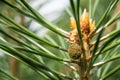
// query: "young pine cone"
[[74, 51]]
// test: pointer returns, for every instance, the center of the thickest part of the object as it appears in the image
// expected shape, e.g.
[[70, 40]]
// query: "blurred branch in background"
[[14, 64], [112, 26]]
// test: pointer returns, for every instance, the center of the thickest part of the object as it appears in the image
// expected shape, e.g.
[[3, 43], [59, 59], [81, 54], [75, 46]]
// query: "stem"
[[85, 61]]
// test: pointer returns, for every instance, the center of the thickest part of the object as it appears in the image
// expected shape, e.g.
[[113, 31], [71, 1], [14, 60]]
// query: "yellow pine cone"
[[86, 26]]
